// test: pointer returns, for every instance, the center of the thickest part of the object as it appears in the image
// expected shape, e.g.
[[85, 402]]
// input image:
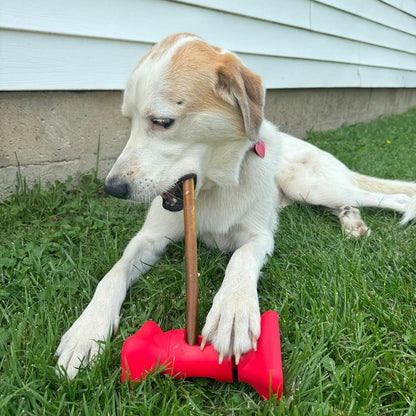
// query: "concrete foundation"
[[55, 134], [298, 111]]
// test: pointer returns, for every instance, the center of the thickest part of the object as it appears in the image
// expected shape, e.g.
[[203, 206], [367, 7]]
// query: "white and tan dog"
[[197, 110]]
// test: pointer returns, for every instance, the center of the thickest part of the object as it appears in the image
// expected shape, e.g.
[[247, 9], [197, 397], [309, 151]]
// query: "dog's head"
[[194, 109]]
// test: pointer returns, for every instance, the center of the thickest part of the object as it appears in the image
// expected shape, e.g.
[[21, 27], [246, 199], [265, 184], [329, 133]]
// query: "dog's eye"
[[162, 123]]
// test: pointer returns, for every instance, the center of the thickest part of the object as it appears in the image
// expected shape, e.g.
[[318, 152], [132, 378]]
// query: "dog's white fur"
[[217, 105]]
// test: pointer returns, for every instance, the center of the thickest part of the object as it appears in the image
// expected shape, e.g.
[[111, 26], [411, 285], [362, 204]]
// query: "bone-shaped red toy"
[[150, 348], [178, 351]]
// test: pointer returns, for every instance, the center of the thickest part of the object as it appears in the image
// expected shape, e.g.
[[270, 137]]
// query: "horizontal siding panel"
[[47, 62], [233, 32], [293, 73], [408, 6], [383, 77], [376, 11]]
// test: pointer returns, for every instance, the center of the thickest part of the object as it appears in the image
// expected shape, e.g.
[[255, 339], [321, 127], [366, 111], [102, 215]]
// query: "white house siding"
[[94, 44]]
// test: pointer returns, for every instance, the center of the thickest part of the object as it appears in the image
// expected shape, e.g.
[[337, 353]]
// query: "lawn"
[[347, 307]]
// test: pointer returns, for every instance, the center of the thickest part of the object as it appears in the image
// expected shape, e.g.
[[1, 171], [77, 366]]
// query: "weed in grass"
[[347, 308]]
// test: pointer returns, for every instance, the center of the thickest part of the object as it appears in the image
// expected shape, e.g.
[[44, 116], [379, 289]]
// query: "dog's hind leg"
[[338, 197], [334, 195], [351, 221]]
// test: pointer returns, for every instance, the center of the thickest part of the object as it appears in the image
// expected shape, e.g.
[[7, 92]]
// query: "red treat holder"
[[151, 348]]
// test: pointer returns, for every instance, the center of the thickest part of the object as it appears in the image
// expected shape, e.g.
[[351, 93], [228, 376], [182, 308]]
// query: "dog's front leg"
[[233, 323], [101, 317]]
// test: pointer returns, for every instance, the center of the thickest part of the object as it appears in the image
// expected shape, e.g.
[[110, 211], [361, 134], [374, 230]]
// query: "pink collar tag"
[[259, 148]]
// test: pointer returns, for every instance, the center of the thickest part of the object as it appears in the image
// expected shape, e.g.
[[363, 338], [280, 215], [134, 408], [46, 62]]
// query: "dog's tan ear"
[[238, 86]]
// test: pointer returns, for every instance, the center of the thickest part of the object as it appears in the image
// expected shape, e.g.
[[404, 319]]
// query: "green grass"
[[347, 308]]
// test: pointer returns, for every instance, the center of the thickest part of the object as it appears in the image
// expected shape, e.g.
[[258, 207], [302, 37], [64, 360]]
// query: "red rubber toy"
[[150, 348]]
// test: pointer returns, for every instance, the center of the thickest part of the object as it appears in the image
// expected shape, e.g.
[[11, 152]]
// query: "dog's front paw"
[[81, 343], [233, 323]]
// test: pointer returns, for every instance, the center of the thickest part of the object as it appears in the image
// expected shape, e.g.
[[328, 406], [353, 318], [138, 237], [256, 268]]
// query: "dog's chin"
[[173, 197]]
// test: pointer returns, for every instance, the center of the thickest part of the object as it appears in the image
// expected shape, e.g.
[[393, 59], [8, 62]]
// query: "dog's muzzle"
[[173, 198]]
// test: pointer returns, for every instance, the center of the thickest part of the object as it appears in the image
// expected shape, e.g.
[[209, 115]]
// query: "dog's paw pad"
[[357, 230]]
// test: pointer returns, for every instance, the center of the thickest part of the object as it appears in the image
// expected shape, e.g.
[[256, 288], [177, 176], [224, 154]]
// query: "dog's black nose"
[[117, 187]]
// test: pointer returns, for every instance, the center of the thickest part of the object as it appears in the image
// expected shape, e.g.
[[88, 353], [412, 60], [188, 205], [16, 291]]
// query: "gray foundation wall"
[[55, 134]]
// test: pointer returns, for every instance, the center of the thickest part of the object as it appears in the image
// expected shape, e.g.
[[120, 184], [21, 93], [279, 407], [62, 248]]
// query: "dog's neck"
[[226, 160]]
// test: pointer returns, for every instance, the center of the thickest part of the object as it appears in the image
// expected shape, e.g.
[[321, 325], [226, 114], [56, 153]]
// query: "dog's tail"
[[387, 186], [383, 186]]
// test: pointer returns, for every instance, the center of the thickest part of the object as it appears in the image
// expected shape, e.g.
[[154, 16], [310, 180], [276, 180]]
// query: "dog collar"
[[259, 148]]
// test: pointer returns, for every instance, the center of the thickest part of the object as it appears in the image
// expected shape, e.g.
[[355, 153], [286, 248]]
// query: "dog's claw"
[[221, 358], [237, 357], [254, 342], [203, 342]]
